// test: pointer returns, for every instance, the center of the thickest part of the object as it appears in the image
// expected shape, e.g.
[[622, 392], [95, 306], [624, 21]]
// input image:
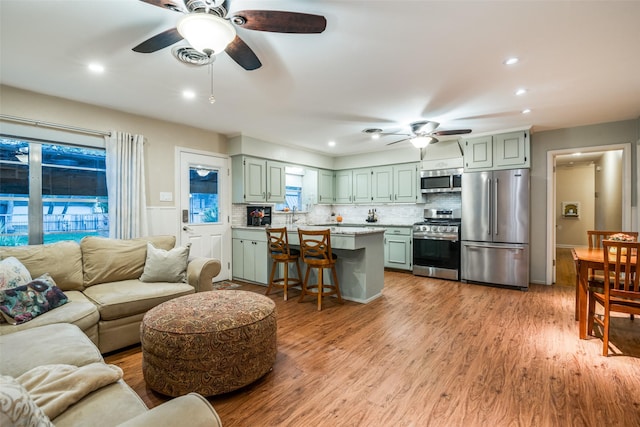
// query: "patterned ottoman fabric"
[[210, 343]]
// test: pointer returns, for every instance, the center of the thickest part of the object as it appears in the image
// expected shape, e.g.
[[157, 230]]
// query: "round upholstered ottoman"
[[210, 343]]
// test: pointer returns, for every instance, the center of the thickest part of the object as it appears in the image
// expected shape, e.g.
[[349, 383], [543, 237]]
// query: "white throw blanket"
[[56, 387]]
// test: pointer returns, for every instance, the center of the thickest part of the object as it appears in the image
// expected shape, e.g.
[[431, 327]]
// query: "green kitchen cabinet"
[[502, 151], [250, 259], [398, 251], [257, 180]]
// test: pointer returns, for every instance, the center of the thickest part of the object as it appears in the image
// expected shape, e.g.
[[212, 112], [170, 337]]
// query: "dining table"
[[586, 258]]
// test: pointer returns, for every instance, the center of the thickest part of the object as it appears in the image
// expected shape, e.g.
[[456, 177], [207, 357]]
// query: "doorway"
[[205, 206], [596, 202]]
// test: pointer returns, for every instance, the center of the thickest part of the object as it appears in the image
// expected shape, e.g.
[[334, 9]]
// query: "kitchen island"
[[360, 252]]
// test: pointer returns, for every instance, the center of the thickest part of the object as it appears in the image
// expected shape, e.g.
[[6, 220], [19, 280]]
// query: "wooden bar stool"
[[316, 253], [281, 253]]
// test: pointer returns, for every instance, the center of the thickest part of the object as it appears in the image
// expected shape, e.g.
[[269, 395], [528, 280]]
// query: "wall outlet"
[[166, 196]]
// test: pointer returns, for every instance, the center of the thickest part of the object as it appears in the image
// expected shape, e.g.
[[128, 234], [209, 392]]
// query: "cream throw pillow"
[[166, 266]]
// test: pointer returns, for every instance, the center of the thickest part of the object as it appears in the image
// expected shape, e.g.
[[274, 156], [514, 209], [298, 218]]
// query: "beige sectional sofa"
[[56, 346], [100, 277]]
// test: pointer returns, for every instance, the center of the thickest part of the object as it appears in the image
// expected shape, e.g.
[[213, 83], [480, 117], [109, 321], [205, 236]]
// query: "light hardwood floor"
[[434, 353]]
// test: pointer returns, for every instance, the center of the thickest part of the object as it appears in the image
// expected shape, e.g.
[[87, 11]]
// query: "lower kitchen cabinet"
[[250, 259], [397, 248]]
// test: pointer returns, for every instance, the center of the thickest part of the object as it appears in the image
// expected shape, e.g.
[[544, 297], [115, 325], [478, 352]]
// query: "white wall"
[[609, 191], [575, 184]]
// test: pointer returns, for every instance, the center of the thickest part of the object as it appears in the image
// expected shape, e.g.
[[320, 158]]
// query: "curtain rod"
[[54, 125]]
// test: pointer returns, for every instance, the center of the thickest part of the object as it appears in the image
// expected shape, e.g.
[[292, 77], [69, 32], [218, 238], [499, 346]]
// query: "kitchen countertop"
[[335, 229]]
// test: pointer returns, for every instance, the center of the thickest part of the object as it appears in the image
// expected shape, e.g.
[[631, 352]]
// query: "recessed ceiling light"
[[521, 91], [96, 68], [188, 94], [511, 61], [332, 143], [526, 111]]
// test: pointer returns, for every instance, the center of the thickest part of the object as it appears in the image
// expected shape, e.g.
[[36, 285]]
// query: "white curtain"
[[126, 185]]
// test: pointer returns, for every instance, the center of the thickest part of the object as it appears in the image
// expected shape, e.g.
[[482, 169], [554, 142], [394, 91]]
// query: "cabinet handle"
[[269, 195], [264, 195]]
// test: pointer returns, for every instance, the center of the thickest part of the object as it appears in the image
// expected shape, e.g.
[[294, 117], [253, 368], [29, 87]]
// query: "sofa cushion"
[[166, 266], [108, 406], [57, 343], [13, 273], [129, 297], [62, 260], [17, 408], [79, 311], [55, 387], [24, 303], [110, 260]]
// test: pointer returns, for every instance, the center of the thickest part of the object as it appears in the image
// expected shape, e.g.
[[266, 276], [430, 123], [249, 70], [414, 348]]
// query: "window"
[[203, 195], [294, 177], [51, 192]]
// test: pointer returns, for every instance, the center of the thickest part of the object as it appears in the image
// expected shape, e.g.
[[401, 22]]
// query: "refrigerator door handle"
[[485, 246], [489, 206], [495, 208]]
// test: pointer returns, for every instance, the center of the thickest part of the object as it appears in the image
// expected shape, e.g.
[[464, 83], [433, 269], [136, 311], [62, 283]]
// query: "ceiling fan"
[[422, 133], [212, 14]]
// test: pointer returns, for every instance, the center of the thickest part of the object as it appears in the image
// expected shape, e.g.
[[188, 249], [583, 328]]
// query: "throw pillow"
[[26, 302], [17, 408], [13, 273], [166, 266]]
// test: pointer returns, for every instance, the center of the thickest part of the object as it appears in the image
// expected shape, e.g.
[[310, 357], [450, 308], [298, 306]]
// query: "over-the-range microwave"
[[441, 180]]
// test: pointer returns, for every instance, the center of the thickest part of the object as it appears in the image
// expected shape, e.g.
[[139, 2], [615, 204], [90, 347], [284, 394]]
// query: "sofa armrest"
[[201, 271], [191, 409]]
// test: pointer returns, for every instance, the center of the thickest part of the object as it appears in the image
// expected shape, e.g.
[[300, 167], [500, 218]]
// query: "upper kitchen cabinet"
[[326, 186], [362, 185], [344, 186], [353, 186], [502, 151], [257, 180], [397, 183]]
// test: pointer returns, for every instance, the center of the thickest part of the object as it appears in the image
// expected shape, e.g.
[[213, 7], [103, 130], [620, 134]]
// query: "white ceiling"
[[378, 64]]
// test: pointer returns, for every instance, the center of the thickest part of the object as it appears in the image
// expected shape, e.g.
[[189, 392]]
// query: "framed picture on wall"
[[571, 209]]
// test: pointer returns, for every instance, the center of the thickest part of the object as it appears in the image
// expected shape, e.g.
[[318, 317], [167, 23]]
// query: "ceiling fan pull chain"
[[212, 98]]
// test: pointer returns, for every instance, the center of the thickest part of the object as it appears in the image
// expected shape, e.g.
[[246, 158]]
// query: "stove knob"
[[424, 228], [449, 229], [441, 228]]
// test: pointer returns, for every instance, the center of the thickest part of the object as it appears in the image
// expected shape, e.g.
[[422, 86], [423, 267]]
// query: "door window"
[[203, 195]]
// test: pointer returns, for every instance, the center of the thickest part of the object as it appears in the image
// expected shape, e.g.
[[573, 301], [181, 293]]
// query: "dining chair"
[[316, 254], [596, 277], [621, 293], [282, 254]]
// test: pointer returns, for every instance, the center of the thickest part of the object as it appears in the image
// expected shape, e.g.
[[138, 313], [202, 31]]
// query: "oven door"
[[436, 258]]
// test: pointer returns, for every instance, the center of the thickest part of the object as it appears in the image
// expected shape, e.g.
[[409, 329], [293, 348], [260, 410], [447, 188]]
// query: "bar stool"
[[316, 253], [281, 253]]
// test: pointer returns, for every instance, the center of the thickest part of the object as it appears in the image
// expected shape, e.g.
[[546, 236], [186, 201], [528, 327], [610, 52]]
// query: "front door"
[[205, 207]]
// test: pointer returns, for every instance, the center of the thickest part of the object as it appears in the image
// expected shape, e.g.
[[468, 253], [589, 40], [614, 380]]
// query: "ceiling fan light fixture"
[[422, 141], [207, 33]]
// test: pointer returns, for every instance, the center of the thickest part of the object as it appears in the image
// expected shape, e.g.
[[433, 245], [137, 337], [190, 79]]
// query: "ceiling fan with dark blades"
[[424, 133], [237, 49]]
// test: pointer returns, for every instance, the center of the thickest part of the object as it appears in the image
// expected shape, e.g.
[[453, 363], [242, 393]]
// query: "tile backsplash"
[[400, 214]]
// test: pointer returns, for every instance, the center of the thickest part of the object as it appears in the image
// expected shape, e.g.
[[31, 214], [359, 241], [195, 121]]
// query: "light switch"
[[166, 196]]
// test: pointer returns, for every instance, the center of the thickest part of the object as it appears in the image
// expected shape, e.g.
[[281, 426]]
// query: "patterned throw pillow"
[[26, 302], [17, 408], [13, 273]]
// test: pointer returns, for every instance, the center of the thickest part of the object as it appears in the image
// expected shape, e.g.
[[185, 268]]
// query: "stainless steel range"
[[436, 244]]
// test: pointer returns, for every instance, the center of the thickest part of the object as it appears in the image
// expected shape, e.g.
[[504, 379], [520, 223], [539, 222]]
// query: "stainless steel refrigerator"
[[495, 227]]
